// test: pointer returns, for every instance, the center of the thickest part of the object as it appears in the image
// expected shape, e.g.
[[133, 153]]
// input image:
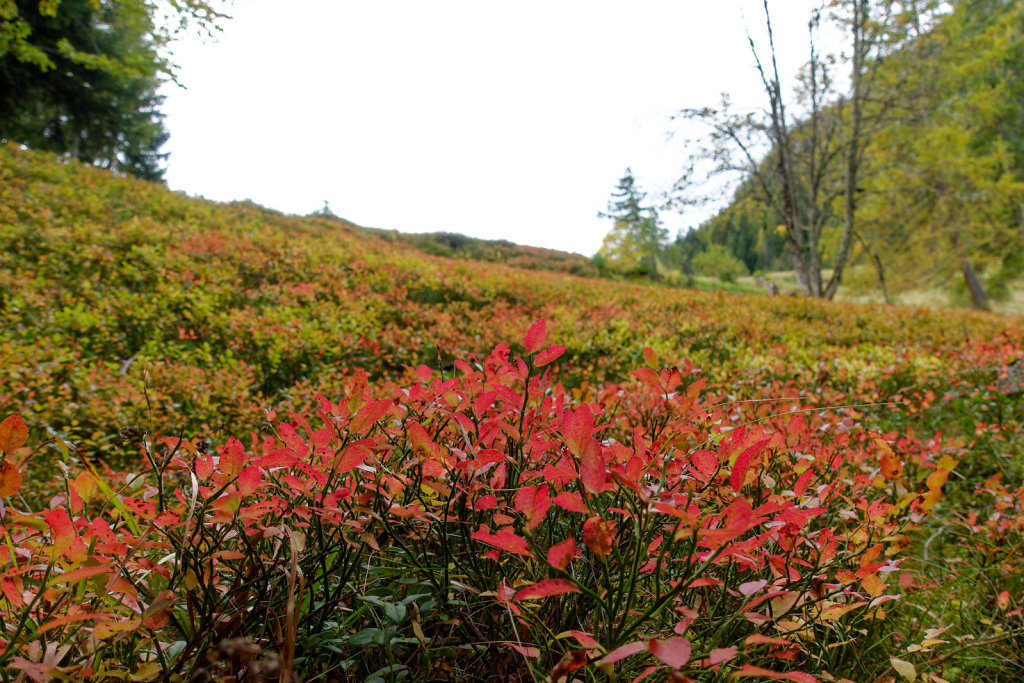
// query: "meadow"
[[241, 445]]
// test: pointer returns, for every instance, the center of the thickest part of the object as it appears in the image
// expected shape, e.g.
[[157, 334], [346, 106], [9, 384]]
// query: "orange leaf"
[[70, 619], [597, 535], [13, 433], [80, 574], [892, 468], [10, 479], [796, 676]]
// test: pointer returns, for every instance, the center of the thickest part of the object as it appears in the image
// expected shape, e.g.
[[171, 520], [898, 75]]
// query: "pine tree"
[[637, 236]]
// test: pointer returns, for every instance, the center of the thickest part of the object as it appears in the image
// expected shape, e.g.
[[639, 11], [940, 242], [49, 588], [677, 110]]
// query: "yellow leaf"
[[873, 585], [147, 672], [832, 611], [905, 669]]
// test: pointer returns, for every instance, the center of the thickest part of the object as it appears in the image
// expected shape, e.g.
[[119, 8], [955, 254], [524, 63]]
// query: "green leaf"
[[364, 637], [396, 612]]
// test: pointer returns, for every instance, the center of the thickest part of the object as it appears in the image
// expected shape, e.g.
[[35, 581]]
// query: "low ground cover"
[[243, 445]]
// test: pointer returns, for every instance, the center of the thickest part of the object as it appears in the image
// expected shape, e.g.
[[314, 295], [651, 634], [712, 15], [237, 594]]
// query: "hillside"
[[251, 440], [938, 182], [109, 280]]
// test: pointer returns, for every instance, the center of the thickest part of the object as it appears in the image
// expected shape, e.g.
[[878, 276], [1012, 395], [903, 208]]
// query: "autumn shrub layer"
[[251, 446]]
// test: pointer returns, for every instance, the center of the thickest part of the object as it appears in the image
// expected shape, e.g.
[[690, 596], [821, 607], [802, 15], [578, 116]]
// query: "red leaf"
[[80, 574], [13, 433], [546, 589], [368, 415], [577, 429], [248, 481], [802, 482], [61, 525], [535, 335], [597, 535], [624, 651], [533, 501], [280, 457], [11, 592], [674, 651], [796, 676], [525, 650], [739, 469], [548, 355], [322, 436], [352, 457], [585, 639], [505, 540], [487, 456], [570, 661], [722, 654], [571, 501], [10, 479], [561, 554], [485, 502], [648, 376], [592, 469], [705, 461], [232, 458]]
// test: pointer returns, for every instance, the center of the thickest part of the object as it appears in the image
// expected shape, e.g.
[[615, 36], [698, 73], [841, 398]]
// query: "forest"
[[894, 168]]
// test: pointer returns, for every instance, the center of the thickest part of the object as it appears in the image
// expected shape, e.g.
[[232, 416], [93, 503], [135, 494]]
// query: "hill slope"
[[111, 285], [299, 448]]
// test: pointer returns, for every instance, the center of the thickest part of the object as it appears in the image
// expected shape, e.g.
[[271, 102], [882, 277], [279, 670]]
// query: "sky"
[[497, 120]]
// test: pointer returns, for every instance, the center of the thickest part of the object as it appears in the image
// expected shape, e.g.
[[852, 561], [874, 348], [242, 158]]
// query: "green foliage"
[[80, 77], [719, 262], [454, 245], [940, 180], [633, 245]]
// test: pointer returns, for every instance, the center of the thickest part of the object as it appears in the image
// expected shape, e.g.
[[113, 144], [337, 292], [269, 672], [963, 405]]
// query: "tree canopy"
[[912, 173], [637, 236], [80, 77]]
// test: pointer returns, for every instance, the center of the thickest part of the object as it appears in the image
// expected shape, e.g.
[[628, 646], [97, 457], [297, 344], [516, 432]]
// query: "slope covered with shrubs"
[[250, 445]]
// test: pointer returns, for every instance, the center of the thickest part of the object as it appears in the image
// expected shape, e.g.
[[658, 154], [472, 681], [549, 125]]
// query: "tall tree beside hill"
[[637, 236], [80, 77], [944, 200], [808, 165]]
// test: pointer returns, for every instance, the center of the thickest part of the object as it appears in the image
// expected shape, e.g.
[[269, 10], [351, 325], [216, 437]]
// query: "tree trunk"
[[978, 298], [853, 148], [880, 273]]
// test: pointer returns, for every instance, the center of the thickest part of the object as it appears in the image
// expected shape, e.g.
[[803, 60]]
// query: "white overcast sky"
[[501, 120]]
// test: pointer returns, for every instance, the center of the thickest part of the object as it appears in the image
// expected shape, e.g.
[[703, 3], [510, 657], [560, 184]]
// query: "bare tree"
[[805, 164]]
